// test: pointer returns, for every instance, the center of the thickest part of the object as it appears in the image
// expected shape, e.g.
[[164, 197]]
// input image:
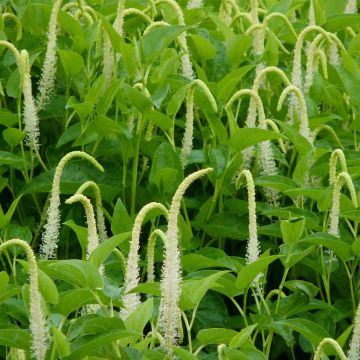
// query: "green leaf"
[[13, 136], [121, 221], [292, 230], [339, 22], [99, 255], [7, 158], [278, 182], [138, 99], [243, 138], [137, 320], [86, 345], [7, 118], [250, 271], [215, 336], [240, 339], [5, 218], [159, 39], [204, 48], [62, 346], [15, 338], [81, 234], [76, 272], [160, 120], [71, 61]]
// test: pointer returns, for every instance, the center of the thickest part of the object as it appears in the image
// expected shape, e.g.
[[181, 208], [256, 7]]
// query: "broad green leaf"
[[292, 230], [278, 182], [79, 273], [13, 136], [15, 338], [99, 255], [61, 344], [215, 336], [243, 138], [81, 234], [137, 320], [242, 337], [250, 271], [71, 61], [121, 221], [341, 21]]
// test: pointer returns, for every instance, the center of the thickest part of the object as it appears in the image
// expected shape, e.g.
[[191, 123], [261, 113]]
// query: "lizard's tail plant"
[[188, 135], [119, 20], [267, 162], [353, 353], [93, 238], [253, 246], [312, 19], [187, 68], [132, 273], [31, 120], [51, 234], [15, 19], [37, 320], [169, 311], [47, 79], [226, 9], [336, 155], [98, 205], [251, 115], [342, 179], [304, 121], [334, 344]]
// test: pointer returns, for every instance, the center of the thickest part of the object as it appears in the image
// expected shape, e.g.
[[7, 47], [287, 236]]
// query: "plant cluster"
[[182, 178]]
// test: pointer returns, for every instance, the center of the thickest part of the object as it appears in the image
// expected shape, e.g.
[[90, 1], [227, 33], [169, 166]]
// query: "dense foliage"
[[182, 177]]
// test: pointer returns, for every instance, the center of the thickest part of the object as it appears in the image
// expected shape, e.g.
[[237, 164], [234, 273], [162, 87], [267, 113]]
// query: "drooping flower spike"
[[304, 121], [336, 155], [15, 19], [151, 251], [169, 311], [188, 135], [37, 320], [253, 246], [93, 238], [51, 234], [47, 79], [98, 205], [132, 273], [342, 179], [334, 344]]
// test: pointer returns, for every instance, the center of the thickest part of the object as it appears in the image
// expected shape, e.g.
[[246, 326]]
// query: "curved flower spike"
[[253, 246], [98, 204], [51, 234], [353, 353], [171, 271], [335, 155], [150, 252], [304, 121], [14, 50], [15, 19], [188, 135], [334, 344], [342, 179], [47, 79], [93, 239], [132, 273], [37, 321], [119, 20], [331, 132], [296, 77]]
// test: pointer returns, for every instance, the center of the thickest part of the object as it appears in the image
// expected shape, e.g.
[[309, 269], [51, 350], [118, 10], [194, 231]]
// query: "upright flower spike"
[[353, 353], [334, 344], [169, 311], [132, 273], [187, 68], [253, 246], [98, 205], [188, 135], [47, 79], [312, 19], [31, 120], [93, 238], [342, 179], [37, 321], [336, 155], [304, 121], [51, 234]]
